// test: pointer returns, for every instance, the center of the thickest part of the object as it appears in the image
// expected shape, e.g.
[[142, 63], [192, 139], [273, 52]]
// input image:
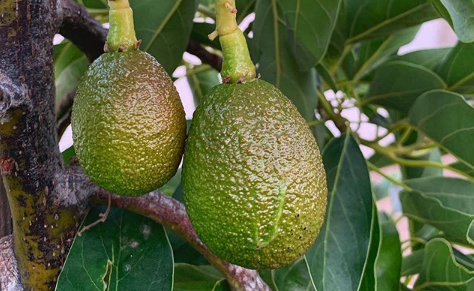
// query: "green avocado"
[[253, 178], [128, 123]]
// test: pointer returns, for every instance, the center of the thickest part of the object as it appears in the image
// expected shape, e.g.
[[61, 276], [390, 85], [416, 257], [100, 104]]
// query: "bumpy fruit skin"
[[253, 179], [128, 123]]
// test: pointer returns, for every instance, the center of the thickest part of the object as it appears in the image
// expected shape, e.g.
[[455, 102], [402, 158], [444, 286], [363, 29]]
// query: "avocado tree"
[[329, 57]]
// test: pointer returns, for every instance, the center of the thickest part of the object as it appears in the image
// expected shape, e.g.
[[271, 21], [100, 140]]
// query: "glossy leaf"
[[164, 27], [372, 19], [440, 271], [277, 63], [429, 58], [398, 84], [337, 259], [461, 12], [369, 55], [310, 25], [127, 252], [294, 277], [445, 203], [389, 259], [197, 278], [244, 8], [430, 114], [370, 279], [456, 68]]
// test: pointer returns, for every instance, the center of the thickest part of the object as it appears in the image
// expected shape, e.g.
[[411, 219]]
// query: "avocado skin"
[[253, 178], [128, 123]]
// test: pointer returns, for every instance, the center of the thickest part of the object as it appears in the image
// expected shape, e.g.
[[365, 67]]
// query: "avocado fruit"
[[128, 123], [253, 178]]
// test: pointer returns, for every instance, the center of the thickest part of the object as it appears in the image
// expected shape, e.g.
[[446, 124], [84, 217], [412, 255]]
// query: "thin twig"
[[102, 217]]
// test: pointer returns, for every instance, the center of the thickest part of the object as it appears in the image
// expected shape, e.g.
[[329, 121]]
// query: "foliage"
[[308, 48]]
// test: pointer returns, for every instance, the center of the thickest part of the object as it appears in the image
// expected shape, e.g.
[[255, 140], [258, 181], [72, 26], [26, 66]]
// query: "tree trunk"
[[29, 154]]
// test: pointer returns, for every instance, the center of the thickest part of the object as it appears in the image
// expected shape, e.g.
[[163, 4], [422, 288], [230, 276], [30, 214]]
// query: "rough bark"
[[29, 154]]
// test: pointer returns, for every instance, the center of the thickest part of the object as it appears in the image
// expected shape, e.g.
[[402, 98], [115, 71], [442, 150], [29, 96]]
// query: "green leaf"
[[369, 279], [244, 8], [183, 252], [294, 277], [310, 25], [445, 203], [372, 19], [68, 154], [196, 278], [202, 79], [461, 12], [164, 27], [200, 33], [367, 56], [418, 172], [277, 63], [456, 68], [337, 259], [389, 259], [412, 263], [69, 66], [440, 271], [430, 114], [429, 58], [398, 84], [126, 252]]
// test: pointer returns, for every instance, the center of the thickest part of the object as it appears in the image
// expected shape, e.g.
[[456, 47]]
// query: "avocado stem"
[[121, 36], [237, 66]]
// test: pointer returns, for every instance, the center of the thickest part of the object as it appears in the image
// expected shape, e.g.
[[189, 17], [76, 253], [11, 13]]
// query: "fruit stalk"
[[121, 36], [238, 66]]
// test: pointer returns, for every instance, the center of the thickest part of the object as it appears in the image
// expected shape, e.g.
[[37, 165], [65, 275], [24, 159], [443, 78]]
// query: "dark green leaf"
[[429, 58], [276, 61], [323, 71], [430, 115], [96, 4], [244, 8], [389, 259], [68, 154], [202, 79], [164, 27], [440, 271], [372, 19], [445, 203], [196, 278], [310, 25], [127, 252], [294, 277], [456, 68], [370, 278], [463, 259], [337, 259], [183, 252], [461, 12], [398, 84], [412, 263], [200, 34], [69, 66], [419, 172], [367, 56]]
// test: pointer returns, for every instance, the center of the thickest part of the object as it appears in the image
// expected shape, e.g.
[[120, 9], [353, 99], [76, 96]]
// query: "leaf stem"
[[204, 10], [388, 177]]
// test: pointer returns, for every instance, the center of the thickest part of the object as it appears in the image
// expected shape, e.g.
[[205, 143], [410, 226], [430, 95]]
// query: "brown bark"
[[29, 154]]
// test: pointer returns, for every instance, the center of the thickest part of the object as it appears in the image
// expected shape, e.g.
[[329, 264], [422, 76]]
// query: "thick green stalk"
[[238, 65], [121, 36]]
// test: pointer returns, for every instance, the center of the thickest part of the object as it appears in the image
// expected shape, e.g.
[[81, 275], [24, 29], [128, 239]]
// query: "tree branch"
[[82, 29], [9, 275], [74, 188]]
